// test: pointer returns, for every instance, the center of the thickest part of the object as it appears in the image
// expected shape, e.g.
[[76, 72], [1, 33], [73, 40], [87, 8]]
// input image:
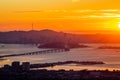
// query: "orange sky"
[[62, 15]]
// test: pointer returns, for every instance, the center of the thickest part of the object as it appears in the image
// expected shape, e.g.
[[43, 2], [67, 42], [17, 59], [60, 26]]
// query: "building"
[[16, 66], [25, 66]]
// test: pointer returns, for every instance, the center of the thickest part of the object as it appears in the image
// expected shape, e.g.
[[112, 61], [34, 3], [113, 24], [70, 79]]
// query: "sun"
[[118, 25]]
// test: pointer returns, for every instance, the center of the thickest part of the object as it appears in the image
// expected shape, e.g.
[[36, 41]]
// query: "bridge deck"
[[36, 52]]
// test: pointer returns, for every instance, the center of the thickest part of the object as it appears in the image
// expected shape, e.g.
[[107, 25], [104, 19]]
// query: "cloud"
[[77, 14], [100, 11], [27, 11], [110, 13]]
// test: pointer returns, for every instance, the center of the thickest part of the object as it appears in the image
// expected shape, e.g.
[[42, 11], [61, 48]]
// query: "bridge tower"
[[66, 43]]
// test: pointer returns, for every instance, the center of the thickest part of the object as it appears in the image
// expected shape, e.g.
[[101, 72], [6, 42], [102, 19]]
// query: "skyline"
[[63, 15]]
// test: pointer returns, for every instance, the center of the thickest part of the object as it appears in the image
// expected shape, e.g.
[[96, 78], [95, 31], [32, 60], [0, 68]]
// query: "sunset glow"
[[60, 15], [60, 39], [118, 25]]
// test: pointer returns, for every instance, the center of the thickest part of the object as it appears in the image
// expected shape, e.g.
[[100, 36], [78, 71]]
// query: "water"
[[110, 57]]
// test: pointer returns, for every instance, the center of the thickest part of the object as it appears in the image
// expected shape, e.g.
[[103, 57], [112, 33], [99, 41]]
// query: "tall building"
[[25, 66], [16, 66]]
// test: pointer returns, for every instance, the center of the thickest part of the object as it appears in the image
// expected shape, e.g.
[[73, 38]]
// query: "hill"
[[49, 36]]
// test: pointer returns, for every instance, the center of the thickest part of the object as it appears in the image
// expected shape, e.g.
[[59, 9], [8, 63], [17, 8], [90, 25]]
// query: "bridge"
[[37, 52]]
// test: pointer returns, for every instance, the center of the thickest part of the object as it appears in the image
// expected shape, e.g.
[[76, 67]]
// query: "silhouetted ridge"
[[47, 30], [50, 36]]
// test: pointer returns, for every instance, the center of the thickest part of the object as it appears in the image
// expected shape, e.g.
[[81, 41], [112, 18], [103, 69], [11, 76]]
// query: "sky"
[[62, 15]]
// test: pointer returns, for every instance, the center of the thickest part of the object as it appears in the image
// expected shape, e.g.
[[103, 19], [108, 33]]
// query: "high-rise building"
[[16, 66], [25, 66]]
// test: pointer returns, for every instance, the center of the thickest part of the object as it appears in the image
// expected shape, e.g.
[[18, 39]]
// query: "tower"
[[32, 26], [66, 43]]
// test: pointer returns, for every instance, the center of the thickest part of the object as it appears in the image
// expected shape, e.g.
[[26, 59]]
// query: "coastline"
[[110, 57]]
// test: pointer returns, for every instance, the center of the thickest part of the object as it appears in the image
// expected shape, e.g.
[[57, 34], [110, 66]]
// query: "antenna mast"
[[32, 26]]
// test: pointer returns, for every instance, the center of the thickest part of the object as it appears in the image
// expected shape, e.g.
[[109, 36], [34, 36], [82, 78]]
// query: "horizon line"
[[75, 31]]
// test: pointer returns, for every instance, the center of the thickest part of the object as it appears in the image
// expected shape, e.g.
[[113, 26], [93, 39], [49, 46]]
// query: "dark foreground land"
[[60, 75], [28, 71]]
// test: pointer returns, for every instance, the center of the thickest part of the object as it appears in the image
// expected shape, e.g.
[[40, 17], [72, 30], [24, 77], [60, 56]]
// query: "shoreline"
[[68, 65], [65, 63]]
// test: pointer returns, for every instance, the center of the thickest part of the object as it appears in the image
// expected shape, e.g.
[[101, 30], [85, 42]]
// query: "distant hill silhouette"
[[62, 45], [49, 36]]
